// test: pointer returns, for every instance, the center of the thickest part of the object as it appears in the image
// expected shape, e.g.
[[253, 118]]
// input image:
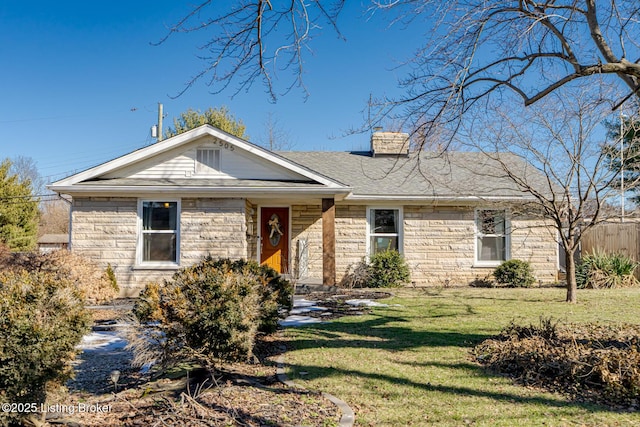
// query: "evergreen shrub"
[[515, 273], [388, 269], [42, 319], [209, 312], [95, 284]]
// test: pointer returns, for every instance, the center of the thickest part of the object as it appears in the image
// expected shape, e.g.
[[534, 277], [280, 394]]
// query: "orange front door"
[[274, 238]]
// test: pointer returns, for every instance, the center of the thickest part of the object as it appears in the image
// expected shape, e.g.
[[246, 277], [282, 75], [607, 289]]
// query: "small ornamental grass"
[[208, 313], [600, 270], [514, 273]]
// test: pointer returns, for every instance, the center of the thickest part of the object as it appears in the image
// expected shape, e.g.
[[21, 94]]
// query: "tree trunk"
[[572, 288]]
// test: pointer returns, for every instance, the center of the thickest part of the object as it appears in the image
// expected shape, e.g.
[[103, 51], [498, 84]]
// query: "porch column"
[[328, 242]]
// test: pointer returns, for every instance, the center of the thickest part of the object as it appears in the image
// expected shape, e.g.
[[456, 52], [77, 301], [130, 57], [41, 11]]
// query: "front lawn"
[[410, 363]]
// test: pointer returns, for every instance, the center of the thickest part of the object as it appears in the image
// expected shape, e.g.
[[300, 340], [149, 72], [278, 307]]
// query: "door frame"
[[259, 243]]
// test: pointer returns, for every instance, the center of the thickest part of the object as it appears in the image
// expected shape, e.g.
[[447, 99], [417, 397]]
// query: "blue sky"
[[80, 80]]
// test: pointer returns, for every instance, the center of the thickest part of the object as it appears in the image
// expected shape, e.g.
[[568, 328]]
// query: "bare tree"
[[54, 217], [275, 137], [255, 39], [567, 176], [530, 48], [26, 170], [472, 49]]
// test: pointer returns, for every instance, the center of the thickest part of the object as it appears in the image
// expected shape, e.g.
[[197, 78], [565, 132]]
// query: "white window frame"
[[140, 243], [204, 169], [506, 236], [400, 233]]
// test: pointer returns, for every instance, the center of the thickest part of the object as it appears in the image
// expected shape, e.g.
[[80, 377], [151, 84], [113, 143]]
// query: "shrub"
[[358, 275], [210, 312], [514, 273], [94, 283], [42, 319], [600, 270], [111, 276], [388, 269], [483, 282]]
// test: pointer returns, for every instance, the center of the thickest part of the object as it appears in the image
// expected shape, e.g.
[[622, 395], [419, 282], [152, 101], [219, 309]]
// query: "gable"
[[176, 162], [229, 162]]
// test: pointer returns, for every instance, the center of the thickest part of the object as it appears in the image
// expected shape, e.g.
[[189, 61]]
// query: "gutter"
[[423, 198]]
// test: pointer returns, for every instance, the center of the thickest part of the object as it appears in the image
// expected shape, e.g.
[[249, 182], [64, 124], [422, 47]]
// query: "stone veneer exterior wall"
[[438, 242], [351, 229], [351, 237], [306, 223], [105, 229], [439, 245]]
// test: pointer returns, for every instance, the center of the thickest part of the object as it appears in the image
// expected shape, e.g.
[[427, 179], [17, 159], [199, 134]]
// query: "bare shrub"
[[357, 275], [94, 283]]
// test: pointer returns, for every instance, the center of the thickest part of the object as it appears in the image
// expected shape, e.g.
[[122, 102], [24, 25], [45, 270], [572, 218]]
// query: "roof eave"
[[146, 189], [436, 198]]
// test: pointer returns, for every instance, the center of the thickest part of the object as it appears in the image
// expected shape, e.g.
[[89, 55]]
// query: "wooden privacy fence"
[[613, 238]]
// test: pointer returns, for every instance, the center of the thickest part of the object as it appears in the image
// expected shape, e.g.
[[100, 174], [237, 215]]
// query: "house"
[[52, 242], [311, 215]]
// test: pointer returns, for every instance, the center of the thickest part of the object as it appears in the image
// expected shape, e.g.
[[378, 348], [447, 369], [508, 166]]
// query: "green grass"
[[410, 364]]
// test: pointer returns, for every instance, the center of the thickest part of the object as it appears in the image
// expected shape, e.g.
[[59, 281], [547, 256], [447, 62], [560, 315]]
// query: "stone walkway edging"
[[348, 417]]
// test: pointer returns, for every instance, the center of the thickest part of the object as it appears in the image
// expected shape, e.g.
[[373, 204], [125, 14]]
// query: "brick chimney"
[[389, 143]]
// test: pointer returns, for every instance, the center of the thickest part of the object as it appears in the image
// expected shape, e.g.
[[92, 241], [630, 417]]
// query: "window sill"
[[151, 266], [492, 264]]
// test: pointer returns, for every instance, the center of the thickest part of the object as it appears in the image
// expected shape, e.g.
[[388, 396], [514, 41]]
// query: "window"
[[384, 230], [491, 236], [207, 161], [159, 231]]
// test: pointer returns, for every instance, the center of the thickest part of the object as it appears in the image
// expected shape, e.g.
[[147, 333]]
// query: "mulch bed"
[[240, 394], [336, 305]]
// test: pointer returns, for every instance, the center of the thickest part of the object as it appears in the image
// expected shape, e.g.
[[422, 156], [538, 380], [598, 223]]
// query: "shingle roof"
[[454, 175]]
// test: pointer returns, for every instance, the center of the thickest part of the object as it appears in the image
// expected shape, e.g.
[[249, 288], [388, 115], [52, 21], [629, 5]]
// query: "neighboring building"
[[308, 214], [52, 242]]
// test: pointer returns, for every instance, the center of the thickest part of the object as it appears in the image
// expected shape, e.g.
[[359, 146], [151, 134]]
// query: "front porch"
[[296, 239]]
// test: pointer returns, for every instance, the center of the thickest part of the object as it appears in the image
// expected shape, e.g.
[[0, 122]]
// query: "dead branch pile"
[[595, 362]]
